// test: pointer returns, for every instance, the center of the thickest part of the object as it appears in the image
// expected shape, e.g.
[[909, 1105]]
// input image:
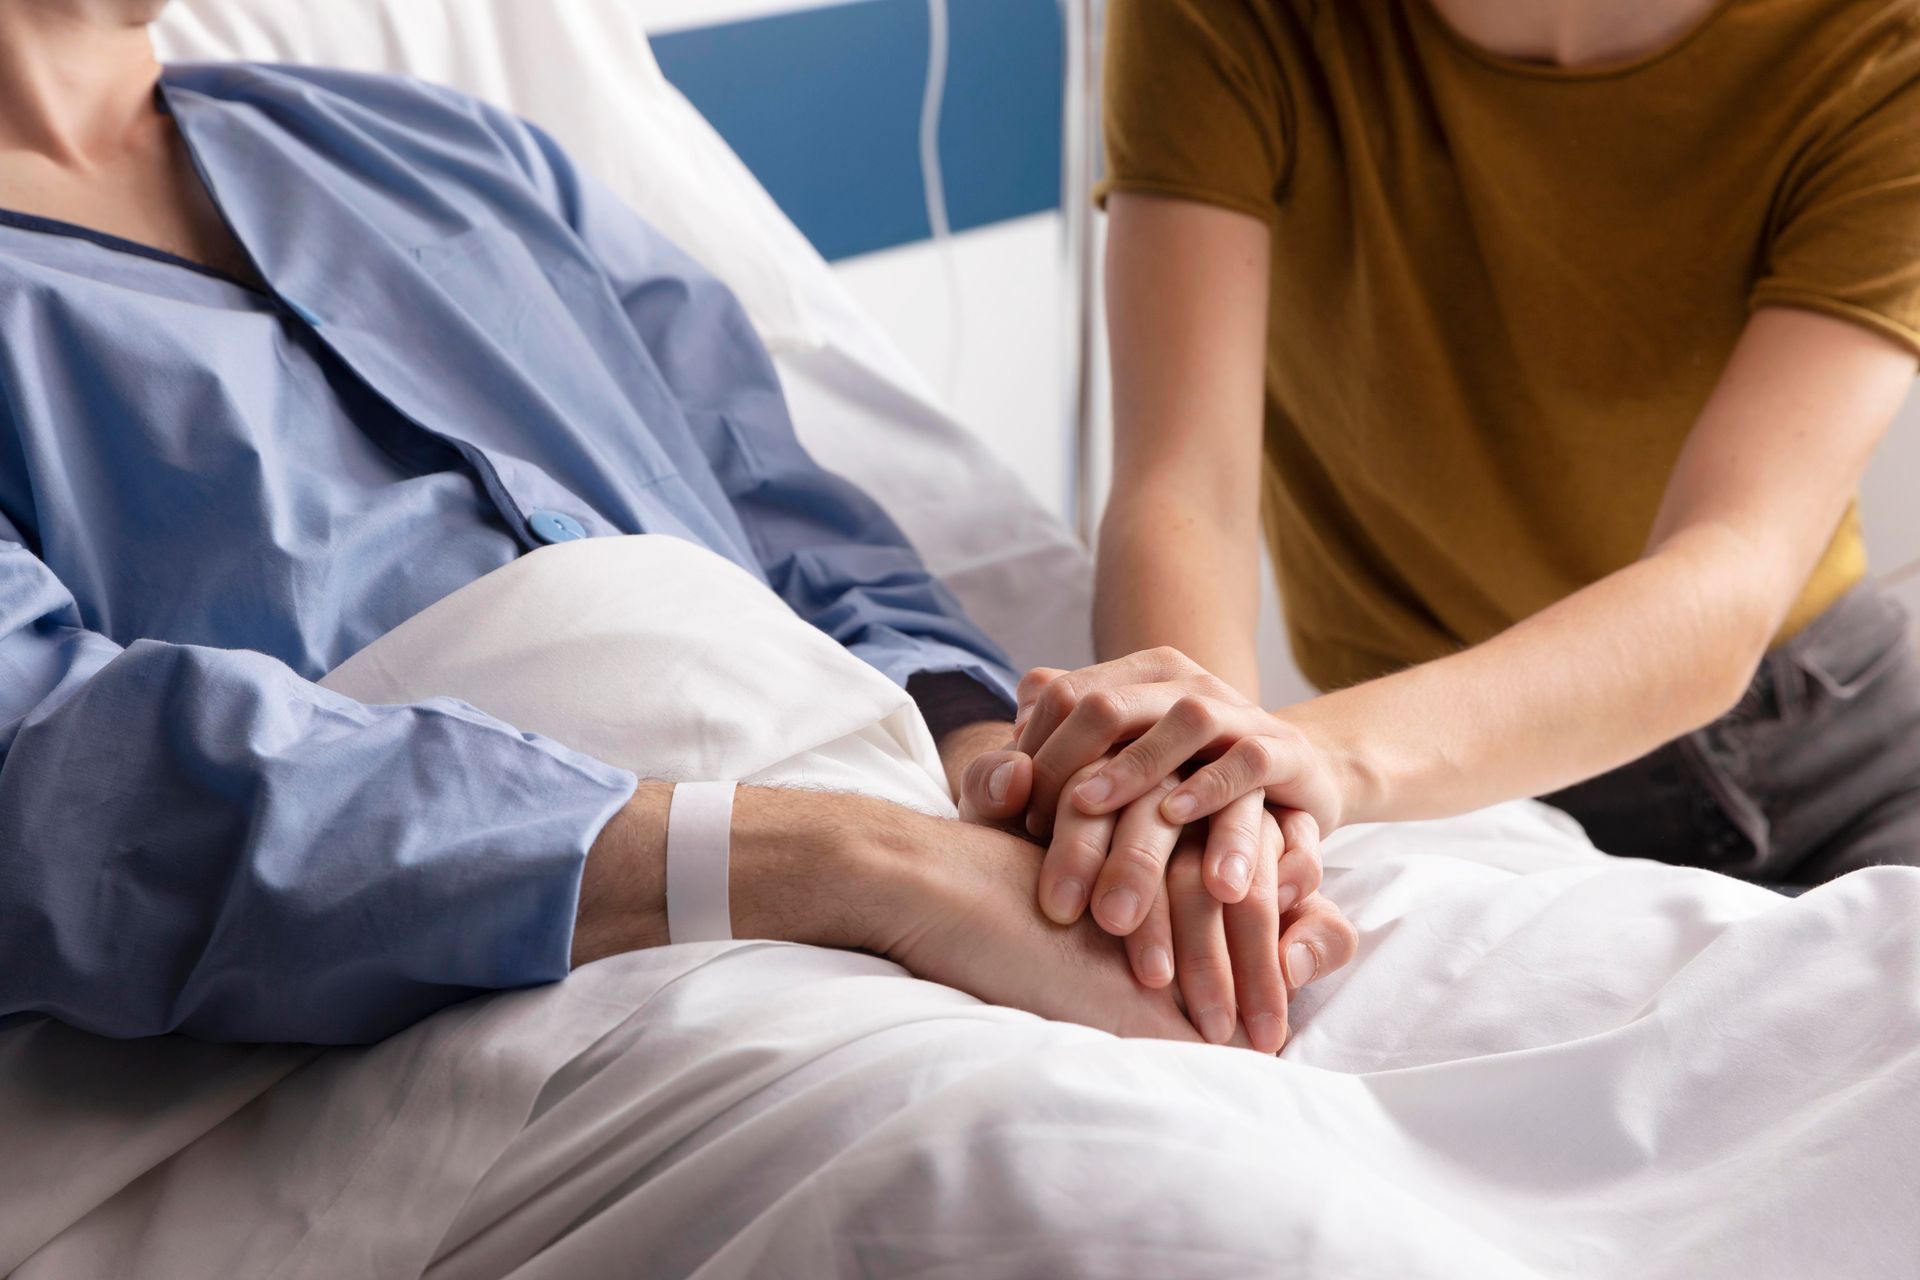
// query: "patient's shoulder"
[[324, 105], [285, 88]]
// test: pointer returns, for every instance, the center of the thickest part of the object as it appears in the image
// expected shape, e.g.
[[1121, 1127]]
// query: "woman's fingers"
[[1276, 760], [1317, 940], [1054, 698], [1075, 857], [1238, 847], [1252, 928], [1201, 959], [1150, 947], [1173, 727], [1048, 696], [1136, 864], [1097, 723]]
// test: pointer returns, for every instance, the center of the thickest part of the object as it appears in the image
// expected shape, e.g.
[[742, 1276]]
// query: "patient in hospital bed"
[[289, 357], [381, 501]]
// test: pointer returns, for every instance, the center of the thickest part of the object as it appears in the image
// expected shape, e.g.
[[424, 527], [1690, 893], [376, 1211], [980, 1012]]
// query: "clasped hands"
[[1187, 820]]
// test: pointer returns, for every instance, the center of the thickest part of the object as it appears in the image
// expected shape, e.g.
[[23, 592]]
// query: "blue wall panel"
[[824, 106]]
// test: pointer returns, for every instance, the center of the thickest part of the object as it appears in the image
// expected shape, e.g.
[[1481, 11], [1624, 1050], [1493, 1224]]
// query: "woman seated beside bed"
[[1550, 339], [287, 356]]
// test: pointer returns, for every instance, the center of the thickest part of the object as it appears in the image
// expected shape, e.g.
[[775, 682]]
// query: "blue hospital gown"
[[210, 495]]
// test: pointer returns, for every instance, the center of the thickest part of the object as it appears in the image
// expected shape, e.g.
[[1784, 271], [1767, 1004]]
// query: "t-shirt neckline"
[[1589, 71]]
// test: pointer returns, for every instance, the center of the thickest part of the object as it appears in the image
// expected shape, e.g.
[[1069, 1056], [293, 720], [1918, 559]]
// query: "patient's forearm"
[[1168, 575], [804, 867], [951, 901]]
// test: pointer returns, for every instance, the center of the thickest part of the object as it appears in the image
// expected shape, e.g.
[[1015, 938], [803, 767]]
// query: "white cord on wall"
[[934, 185]]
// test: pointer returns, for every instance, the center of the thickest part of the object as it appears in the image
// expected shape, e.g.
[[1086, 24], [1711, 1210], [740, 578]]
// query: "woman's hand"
[[1169, 711]]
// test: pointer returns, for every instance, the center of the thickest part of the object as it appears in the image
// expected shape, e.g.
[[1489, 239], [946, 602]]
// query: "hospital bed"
[[1544, 1063]]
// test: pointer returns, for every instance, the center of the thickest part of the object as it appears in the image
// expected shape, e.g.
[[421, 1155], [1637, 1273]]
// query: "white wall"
[[983, 319]]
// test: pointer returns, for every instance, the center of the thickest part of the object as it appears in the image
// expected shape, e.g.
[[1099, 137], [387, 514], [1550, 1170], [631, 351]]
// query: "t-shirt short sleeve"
[[1196, 102], [1847, 238]]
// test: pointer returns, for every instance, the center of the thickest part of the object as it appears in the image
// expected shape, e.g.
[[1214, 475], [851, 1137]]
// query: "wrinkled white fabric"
[[653, 654], [1544, 1063]]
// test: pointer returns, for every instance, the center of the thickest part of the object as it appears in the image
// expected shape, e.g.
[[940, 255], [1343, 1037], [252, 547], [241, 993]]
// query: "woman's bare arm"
[[1668, 643], [1179, 556]]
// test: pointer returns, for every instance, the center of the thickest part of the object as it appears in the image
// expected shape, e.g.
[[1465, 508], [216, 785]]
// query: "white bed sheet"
[[1544, 1062]]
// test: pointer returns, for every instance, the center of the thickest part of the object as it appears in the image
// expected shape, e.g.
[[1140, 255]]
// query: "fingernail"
[[1284, 897], [1063, 900], [1216, 1024], [998, 781], [1236, 871], [1157, 964], [1019, 723], [1180, 807], [1300, 964], [1094, 789], [1121, 907], [1266, 1032]]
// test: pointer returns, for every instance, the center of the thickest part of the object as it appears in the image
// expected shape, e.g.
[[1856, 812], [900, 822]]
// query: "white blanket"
[[1543, 1062]]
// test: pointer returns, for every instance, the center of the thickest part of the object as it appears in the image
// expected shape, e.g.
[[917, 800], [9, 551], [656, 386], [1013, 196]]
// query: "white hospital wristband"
[[699, 845]]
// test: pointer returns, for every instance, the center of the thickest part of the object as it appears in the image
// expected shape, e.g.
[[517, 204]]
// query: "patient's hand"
[[1239, 924], [951, 901], [1235, 949], [1155, 725], [1229, 967], [964, 917], [1236, 955]]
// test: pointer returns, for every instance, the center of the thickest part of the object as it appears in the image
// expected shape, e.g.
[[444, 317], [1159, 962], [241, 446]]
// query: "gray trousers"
[[1814, 774]]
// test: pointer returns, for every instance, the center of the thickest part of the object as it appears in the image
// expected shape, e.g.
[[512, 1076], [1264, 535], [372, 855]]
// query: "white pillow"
[[583, 70], [728, 684]]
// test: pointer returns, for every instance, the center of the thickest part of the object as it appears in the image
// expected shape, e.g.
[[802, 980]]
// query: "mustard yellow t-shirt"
[[1502, 292]]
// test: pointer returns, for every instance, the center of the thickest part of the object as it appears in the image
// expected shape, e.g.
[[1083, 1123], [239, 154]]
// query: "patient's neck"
[[76, 78]]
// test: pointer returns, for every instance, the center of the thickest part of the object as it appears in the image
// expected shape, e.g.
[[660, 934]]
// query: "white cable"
[[934, 184], [931, 103]]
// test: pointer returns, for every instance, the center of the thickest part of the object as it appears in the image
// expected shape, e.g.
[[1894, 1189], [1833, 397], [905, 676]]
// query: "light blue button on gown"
[[210, 495]]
